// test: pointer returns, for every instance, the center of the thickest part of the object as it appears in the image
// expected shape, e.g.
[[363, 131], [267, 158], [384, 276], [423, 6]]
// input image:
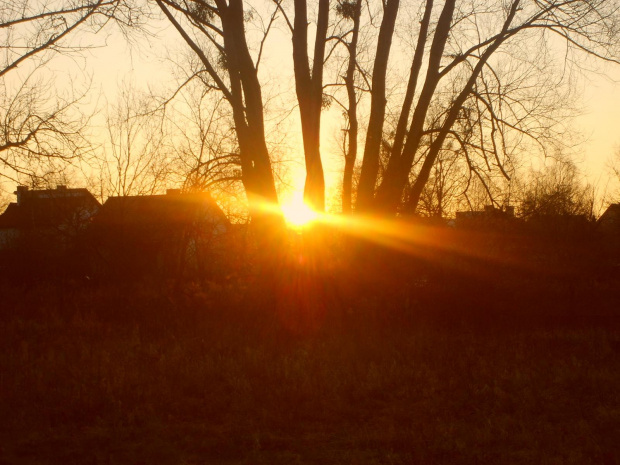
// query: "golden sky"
[[144, 64]]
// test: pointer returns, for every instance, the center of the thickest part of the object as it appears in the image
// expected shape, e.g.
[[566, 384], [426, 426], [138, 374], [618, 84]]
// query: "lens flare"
[[297, 213], [413, 238]]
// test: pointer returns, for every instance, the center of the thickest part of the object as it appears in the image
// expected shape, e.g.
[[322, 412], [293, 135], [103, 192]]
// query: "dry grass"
[[111, 376]]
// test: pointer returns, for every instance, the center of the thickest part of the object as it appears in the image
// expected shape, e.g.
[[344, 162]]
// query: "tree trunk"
[[431, 156], [416, 65], [244, 96], [309, 87], [350, 156], [247, 106], [370, 164], [395, 178]]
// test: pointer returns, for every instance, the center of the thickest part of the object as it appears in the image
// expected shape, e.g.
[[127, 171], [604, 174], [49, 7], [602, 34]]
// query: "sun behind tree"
[[298, 213]]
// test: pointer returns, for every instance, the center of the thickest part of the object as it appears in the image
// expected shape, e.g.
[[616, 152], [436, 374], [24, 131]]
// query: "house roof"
[[612, 210], [12, 216], [611, 217], [47, 208], [170, 210]]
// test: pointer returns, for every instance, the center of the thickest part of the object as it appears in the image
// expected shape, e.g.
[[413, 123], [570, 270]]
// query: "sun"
[[297, 213]]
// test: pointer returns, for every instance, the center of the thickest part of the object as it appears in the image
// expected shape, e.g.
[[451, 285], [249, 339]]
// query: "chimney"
[[61, 187], [173, 191], [21, 193]]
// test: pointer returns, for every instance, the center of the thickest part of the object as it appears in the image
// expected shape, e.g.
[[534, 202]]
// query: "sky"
[[600, 122], [144, 64]]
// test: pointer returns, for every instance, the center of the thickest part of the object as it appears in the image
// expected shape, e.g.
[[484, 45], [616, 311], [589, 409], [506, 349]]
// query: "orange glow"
[[412, 238], [297, 213]]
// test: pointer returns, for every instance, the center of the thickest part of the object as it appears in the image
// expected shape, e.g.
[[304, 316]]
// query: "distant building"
[[489, 215], [560, 226], [159, 233], [46, 217], [609, 222]]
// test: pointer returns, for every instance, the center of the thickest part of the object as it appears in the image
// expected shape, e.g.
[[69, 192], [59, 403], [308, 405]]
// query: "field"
[[197, 374]]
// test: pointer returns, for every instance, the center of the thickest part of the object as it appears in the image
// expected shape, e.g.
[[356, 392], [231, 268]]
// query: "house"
[[40, 233], [168, 234], [560, 226], [489, 216], [46, 218], [609, 222]]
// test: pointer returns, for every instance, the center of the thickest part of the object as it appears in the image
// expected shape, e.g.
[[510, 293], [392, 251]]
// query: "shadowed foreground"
[[106, 376]]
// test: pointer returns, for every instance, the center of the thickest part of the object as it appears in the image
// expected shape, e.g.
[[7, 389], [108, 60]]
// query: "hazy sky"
[[144, 65], [600, 122]]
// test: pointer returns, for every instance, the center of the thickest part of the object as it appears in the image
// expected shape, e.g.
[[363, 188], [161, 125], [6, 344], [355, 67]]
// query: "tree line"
[[441, 102]]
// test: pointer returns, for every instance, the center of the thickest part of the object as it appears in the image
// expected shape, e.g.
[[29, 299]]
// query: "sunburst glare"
[[298, 213]]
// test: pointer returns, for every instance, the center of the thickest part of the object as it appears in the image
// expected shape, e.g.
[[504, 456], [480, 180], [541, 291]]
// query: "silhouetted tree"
[[448, 181], [39, 128], [498, 96], [33, 30], [469, 60], [350, 10], [309, 88], [134, 157], [39, 132], [215, 32], [204, 149], [463, 62], [557, 190]]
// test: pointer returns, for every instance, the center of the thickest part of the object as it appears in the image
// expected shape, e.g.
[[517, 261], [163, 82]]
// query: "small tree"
[[133, 159], [557, 190], [39, 133], [40, 129]]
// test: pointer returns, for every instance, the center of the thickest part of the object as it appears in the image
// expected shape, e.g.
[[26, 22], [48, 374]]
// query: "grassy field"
[[105, 375]]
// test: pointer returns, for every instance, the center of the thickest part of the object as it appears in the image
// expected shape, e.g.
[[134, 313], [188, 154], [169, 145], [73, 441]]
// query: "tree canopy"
[[480, 83]]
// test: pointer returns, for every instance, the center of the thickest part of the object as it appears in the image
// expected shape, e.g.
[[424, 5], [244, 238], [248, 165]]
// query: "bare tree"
[[462, 60], [613, 168], [40, 128], [4, 200], [39, 133], [557, 190], [208, 153], [350, 10], [204, 148], [32, 30], [309, 87], [468, 60], [215, 32], [446, 185], [134, 158], [374, 135]]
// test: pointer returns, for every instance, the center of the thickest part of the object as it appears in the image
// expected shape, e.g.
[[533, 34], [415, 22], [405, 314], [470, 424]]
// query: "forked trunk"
[[431, 156], [395, 178], [351, 154], [309, 87], [370, 164]]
